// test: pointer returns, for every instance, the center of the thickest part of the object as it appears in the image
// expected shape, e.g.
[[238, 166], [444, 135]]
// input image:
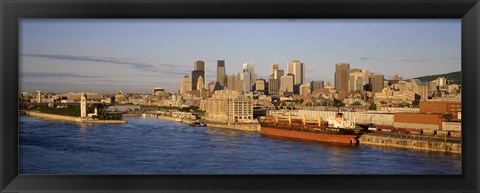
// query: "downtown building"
[[297, 69], [274, 80], [229, 106], [221, 73], [341, 77], [198, 71]]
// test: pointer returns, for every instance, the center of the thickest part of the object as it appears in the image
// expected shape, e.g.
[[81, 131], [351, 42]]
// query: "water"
[[154, 146]]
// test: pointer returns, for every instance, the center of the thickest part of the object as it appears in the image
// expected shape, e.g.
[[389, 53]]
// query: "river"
[[155, 146]]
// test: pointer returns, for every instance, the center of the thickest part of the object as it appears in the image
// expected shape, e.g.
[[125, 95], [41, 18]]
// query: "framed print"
[[239, 96]]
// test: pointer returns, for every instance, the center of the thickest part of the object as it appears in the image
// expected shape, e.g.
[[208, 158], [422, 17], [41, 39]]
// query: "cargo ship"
[[335, 129]]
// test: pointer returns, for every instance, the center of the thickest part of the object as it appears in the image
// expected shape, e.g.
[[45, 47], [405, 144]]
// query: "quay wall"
[[72, 119], [410, 143], [238, 126], [169, 118]]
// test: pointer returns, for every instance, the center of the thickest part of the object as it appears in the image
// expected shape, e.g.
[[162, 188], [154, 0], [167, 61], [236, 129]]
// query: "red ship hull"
[[332, 138]]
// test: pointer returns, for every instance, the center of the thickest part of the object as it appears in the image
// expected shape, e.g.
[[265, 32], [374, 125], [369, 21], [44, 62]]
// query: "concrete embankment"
[[238, 126], [72, 119], [411, 143], [169, 118]]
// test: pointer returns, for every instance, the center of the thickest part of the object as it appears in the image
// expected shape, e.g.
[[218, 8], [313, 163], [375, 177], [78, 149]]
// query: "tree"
[[373, 106]]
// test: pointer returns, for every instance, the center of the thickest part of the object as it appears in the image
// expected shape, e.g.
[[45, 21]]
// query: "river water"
[[155, 146]]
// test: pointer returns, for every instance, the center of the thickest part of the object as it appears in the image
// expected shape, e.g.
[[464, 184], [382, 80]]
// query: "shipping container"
[[428, 132], [455, 134], [442, 133]]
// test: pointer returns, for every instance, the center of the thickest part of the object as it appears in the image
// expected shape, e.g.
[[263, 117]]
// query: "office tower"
[[247, 85], [198, 70], [341, 76], [260, 85], [221, 76], [273, 85], [186, 86], [200, 84], [286, 84], [376, 82], [305, 89], [196, 74], [355, 80], [199, 65], [275, 67], [316, 85], [297, 68], [248, 67]]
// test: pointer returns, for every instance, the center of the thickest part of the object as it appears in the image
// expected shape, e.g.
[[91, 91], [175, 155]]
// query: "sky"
[[137, 55]]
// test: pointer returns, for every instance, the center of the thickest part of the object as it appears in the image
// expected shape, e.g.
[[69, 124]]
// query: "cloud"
[[133, 63], [365, 58], [57, 75], [414, 60]]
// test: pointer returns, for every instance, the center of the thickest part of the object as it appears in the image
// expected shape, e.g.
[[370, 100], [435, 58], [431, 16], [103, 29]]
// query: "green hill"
[[454, 77]]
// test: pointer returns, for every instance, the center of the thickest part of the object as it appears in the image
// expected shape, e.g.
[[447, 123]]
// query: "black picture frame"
[[11, 11]]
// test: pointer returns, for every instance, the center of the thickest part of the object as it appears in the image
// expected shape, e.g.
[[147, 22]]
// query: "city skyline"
[[138, 55]]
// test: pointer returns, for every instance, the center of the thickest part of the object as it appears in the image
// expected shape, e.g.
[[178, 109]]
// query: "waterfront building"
[[186, 86], [286, 84], [221, 73], [229, 106], [83, 105], [297, 68], [443, 107], [91, 96], [341, 76], [316, 85]]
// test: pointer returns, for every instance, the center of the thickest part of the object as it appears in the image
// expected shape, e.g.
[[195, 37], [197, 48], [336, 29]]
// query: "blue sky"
[[134, 55]]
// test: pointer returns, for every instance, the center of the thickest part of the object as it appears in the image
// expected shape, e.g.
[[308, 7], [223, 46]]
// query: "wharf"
[[72, 119], [415, 142]]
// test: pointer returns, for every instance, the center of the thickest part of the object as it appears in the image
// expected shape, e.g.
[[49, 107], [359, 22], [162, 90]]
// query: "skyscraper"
[[249, 67], [286, 84], [297, 68], [316, 85], [198, 70], [186, 85], [376, 81], [341, 77], [221, 76]]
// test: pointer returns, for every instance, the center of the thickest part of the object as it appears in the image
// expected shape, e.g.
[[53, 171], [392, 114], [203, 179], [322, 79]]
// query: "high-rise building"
[[200, 84], [196, 74], [199, 65], [305, 89], [355, 80], [246, 78], [186, 86], [221, 76], [260, 85], [297, 68], [235, 83], [316, 85], [198, 70], [273, 85], [229, 106], [376, 82], [286, 84], [249, 67], [341, 76], [39, 96]]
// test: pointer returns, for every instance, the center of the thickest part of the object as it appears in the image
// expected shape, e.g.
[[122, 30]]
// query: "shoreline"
[[72, 119]]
